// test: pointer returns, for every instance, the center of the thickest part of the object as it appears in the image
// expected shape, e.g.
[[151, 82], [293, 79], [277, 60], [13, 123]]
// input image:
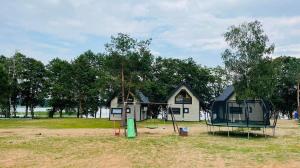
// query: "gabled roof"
[[138, 94], [178, 87], [227, 93]]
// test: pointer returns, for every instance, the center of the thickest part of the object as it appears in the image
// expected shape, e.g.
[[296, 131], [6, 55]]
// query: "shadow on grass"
[[239, 134]]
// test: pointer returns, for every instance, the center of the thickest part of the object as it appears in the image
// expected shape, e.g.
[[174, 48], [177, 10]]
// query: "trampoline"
[[228, 112]]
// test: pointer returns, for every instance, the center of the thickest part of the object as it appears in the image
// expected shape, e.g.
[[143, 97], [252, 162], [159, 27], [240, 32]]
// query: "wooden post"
[[123, 121], [227, 131], [298, 101], [248, 132]]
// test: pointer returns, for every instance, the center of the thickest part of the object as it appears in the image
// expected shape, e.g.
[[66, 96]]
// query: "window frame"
[[183, 101], [112, 109], [179, 109]]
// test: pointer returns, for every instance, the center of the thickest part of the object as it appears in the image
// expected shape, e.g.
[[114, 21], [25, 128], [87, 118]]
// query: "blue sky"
[[45, 29]]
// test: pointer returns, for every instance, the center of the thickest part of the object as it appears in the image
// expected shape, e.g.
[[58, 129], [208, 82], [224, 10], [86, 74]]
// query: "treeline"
[[87, 83]]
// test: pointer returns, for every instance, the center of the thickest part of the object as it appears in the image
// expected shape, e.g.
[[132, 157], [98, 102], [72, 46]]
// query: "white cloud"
[[190, 26]]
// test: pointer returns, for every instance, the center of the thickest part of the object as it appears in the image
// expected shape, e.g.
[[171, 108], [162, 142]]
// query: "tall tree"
[[84, 82], [248, 50], [16, 67], [4, 88], [60, 85], [32, 83], [287, 71], [126, 57]]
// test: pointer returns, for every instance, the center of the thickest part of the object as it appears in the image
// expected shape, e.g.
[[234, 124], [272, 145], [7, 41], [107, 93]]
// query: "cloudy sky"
[[45, 29]]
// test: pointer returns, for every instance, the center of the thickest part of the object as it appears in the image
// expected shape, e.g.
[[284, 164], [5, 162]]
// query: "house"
[[136, 104], [184, 103], [227, 110]]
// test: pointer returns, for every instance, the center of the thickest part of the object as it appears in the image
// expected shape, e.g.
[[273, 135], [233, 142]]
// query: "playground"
[[92, 143]]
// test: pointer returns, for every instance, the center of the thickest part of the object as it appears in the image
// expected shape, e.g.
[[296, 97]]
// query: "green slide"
[[130, 128]]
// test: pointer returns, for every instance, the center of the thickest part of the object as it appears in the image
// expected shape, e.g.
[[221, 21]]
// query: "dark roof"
[[142, 97], [179, 86], [138, 94], [226, 93]]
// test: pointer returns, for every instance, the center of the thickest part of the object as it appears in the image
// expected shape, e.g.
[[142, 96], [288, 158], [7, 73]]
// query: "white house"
[[184, 103]]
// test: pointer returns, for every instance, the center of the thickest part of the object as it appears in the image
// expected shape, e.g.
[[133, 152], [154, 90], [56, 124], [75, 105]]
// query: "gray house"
[[184, 103], [137, 104]]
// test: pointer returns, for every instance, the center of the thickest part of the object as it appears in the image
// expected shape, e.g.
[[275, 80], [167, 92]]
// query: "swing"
[[153, 122]]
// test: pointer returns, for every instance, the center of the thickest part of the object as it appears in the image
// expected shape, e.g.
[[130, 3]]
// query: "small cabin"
[[137, 107], [228, 111], [184, 104]]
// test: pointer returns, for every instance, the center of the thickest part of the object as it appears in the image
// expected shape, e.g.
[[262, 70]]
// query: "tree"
[[16, 67], [221, 79], [168, 73], [85, 83], [4, 87], [60, 85], [126, 57], [32, 84], [287, 77], [249, 50]]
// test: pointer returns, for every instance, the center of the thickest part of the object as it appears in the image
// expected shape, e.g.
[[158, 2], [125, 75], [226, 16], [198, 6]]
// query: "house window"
[[236, 110], [128, 110], [186, 110], [116, 111], [175, 110], [183, 97]]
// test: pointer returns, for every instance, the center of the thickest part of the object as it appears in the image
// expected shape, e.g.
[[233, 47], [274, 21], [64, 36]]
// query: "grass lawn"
[[33, 146], [56, 123]]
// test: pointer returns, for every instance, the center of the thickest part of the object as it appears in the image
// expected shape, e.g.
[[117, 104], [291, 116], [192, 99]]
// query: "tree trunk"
[[51, 112], [60, 113], [32, 112], [298, 101], [77, 112], [26, 111], [7, 115], [80, 107], [15, 110], [100, 112]]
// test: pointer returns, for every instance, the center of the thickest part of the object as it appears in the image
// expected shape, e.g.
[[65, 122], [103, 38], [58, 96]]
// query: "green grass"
[[78, 123], [56, 123]]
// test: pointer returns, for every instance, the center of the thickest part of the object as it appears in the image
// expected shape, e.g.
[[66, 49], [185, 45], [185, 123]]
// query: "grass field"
[[46, 143], [57, 123]]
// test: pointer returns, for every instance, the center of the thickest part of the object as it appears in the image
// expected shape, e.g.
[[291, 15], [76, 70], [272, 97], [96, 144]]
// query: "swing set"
[[153, 125]]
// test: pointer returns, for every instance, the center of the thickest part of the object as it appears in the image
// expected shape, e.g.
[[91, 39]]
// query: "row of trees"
[[90, 80], [87, 83]]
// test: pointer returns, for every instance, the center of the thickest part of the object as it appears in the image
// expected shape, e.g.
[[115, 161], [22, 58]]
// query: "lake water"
[[21, 110]]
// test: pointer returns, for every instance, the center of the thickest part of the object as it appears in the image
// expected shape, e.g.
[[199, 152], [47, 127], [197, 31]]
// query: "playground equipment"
[[228, 112], [130, 127]]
